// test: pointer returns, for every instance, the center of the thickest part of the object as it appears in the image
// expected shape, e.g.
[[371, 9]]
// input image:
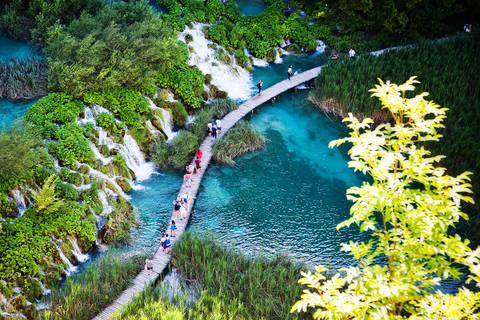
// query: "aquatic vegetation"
[[88, 293], [242, 138], [23, 78], [221, 107], [231, 284], [446, 69], [411, 207]]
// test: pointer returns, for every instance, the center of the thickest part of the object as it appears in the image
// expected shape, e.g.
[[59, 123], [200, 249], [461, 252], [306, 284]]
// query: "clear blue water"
[[157, 7], [14, 48], [251, 7], [12, 110]]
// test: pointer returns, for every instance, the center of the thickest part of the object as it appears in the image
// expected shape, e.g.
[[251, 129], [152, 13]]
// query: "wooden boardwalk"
[[160, 258]]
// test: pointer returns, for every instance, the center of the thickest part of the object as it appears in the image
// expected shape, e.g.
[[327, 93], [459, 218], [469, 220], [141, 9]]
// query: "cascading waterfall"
[[166, 121], [17, 194], [81, 257], [227, 77], [71, 268], [172, 284], [107, 208], [135, 159]]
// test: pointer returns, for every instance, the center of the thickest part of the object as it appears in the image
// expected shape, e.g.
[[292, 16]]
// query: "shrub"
[[199, 127], [179, 114], [120, 221], [188, 38], [241, 58], [208, 78], [242, 138], [178, 153]]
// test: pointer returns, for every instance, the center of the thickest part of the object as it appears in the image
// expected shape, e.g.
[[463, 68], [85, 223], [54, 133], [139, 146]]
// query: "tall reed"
[[242, 138], [447, 70], [23, 78], [85, 295], [231, 285]]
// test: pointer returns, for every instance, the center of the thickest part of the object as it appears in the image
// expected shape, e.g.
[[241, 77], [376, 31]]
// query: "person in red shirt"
[[198, 164], [199, 154]]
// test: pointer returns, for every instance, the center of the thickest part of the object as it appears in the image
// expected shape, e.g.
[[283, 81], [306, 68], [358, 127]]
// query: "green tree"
[[124, 44], [409, 208]]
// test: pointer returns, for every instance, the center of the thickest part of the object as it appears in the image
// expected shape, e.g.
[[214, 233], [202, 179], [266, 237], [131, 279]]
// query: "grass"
[[23, 78], [447, 70], [232, 285], [240, 139], [221, 107], [86, 295]]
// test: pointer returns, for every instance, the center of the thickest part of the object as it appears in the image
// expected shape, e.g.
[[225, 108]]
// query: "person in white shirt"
[[351, 53], [219, 126]]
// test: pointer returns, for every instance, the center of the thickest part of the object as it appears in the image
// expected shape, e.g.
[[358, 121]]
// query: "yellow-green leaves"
[[46, 200], [417, 204]]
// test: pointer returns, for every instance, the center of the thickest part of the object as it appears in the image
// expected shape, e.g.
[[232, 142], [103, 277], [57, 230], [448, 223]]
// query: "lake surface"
[[251, 7], [14, 48], [12, 110]]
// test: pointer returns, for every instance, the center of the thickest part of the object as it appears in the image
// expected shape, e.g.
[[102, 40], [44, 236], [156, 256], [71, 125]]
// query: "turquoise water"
[[11, 110], [251, 7], [289, 196], [11, 47], [157, 7]]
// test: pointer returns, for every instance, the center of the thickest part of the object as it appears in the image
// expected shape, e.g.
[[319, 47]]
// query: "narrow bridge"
[[160, 258]]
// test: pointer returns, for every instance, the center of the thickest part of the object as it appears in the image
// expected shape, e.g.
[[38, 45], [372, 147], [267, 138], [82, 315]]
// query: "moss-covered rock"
[[208, 78], [123, 183], [271, 55], [34, 290], [222, 94], [30, 312], [19, 303], [83, 169], [110, 186], [104, 150]]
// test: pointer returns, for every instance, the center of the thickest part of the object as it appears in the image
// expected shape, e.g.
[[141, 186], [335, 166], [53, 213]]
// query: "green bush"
[[178, 153], [108, 122], [120, 221], [179, 114], [199, 127], [241, 58], [58, 108], [208, 78]]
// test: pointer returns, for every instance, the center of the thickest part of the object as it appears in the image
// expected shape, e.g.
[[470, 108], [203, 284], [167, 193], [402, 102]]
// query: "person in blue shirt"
[[172, 229], [167, 244]]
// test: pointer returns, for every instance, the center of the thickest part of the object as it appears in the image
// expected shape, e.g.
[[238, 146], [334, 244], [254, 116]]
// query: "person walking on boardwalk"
[[188, 178], [289, 72], [186, 197], [149, 264], [176, 208], [183, 211], [259, 86], [198, 164], [214, 132], [209, 128], [219, 126], [167, 244], [172, 229], [162, 242], [199, 154]]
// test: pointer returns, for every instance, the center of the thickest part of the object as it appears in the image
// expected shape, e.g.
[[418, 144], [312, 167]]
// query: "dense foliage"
[[233, 284], [234, 30], [178, 152], [85, 295], [124, 44], [23, 78], [54, 118], [26, 246], [242, 138], [33, 19], [447, 70], [411, 207]]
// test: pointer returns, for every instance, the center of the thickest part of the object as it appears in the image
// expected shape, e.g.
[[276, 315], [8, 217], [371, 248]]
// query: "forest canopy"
[[124, 44]]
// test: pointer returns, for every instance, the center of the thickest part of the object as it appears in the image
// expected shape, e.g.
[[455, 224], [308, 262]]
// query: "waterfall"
[[20, 202], [89, 117], [172, 286], [259, 62], [135, 159], [81, 257], [71, 267], [107, 208], [223, 75], [320, 49], [166, 121], [98, 174], [167, 125]]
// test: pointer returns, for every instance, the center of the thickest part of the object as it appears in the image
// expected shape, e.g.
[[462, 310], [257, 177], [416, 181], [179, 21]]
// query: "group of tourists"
[[214, 129]]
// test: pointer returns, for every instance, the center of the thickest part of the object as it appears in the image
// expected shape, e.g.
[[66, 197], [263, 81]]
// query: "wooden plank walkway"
[[160, 258]]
